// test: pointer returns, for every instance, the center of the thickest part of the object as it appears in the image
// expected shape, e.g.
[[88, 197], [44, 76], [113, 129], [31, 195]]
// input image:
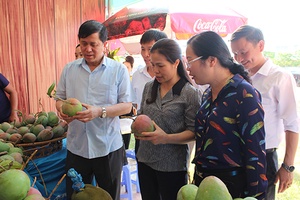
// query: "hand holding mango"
[[70, 106], [142, 123]]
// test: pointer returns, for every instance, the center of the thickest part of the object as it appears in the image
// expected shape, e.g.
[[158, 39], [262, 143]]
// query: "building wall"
[[37, 39]]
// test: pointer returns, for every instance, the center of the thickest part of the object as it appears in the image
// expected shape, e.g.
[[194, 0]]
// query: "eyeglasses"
[[188, 64]]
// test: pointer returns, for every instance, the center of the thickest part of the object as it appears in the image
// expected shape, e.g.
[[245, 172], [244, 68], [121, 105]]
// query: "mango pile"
[[211, 188], [38, 127], [11, 157], [14, 182]]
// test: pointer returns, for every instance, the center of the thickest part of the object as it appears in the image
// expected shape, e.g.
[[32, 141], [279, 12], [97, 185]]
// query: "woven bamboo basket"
[[44, 148]]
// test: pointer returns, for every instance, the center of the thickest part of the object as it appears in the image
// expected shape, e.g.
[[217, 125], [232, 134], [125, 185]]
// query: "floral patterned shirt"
[[230, 133]]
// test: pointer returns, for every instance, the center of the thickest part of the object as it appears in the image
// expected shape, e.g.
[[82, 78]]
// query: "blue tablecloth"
[[52, 169]]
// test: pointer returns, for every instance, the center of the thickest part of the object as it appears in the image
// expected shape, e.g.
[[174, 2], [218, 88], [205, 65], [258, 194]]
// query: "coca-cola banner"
[[185, 21]]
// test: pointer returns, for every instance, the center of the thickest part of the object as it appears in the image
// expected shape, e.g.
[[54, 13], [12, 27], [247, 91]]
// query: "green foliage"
[[113, 54], [132, 142], [269, 54], [285, 59]]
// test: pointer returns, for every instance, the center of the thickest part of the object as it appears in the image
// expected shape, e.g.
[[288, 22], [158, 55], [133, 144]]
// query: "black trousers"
[[126, 140], [107, 171], [272, 168], [235, 180], [157, 185]]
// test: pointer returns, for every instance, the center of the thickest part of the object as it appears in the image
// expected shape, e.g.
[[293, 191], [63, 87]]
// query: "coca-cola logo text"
[[218, 25]]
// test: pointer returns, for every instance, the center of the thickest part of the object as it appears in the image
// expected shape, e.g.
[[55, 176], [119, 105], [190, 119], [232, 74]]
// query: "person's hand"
[[89, 114], [285, 179], [134, 111], [64, 116], [156, 137], [14, 116]]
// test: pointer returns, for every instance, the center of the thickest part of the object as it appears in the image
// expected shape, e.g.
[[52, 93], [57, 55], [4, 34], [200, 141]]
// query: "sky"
[[279, 20]]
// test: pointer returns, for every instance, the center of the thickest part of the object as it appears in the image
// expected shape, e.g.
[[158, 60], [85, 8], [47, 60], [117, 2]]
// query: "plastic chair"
[[131, 154], [127, 178], [94, 182]]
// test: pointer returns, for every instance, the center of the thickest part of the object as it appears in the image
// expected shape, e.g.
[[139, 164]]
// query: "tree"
[[285, 59]]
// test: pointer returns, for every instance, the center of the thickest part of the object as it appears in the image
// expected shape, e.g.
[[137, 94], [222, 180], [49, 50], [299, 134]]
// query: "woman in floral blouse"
[[229, 127]]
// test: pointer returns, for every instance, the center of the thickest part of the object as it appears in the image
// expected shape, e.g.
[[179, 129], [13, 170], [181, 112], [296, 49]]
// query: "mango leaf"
[[50, 90], [113, 53]]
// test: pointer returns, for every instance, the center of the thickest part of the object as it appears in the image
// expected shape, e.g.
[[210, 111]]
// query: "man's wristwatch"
[[103, 112], [288, 168]]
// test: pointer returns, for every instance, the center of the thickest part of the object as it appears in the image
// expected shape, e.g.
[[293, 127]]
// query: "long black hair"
[[171, 51], [209, 43]]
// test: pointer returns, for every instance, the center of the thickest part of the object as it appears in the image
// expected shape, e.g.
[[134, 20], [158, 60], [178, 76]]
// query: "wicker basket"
[[44, 148]]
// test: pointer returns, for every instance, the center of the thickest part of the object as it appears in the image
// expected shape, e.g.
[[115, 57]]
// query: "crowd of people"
[[237, 123]]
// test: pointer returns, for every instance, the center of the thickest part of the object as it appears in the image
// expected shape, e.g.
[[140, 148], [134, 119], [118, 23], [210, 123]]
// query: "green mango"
[[187, 192], [214, 188], [5, 126], [42, 120], [58, 131], [53, 119], [4, 147], [14, 184], [91, 192]]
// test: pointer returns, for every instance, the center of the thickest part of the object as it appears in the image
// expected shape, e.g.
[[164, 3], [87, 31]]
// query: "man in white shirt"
[[277, 88], [145, 74]]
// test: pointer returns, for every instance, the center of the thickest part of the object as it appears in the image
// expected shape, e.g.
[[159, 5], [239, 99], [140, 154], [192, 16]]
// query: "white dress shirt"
[[139, 79], [278, 89]]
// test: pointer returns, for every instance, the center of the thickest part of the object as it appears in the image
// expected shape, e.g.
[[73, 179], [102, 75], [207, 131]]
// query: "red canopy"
[[185, 21]]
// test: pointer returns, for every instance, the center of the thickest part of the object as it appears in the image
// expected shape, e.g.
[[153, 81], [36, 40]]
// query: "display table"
[[125, 124], [49, 169]]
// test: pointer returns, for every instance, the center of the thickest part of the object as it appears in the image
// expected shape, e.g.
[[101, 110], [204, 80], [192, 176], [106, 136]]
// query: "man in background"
[[278, 89], [129, 61], [78, 53], [145, 74]]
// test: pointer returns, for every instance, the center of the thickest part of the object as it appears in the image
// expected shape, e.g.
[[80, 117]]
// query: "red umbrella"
[[185, 21]]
